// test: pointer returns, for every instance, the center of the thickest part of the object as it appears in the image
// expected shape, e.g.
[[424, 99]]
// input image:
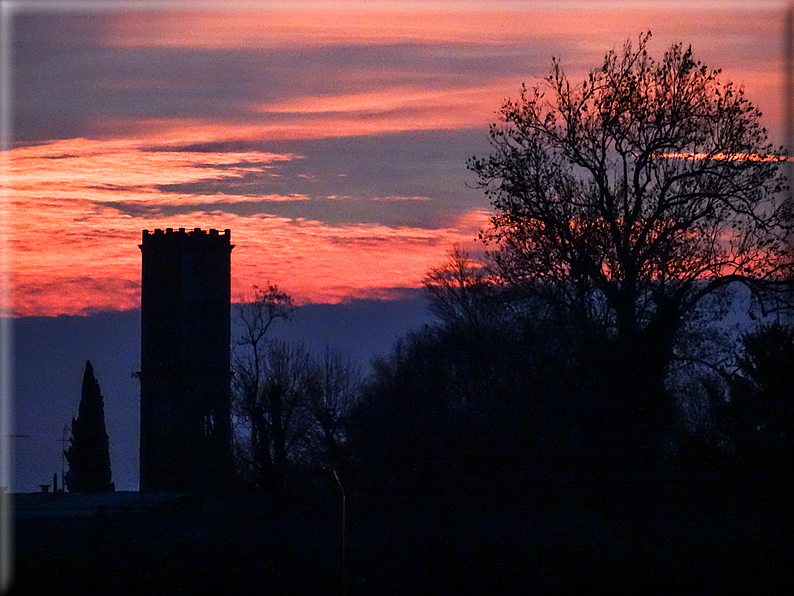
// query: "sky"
[[331, 138]]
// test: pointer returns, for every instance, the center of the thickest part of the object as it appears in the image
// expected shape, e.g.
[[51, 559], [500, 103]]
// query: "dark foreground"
[[694, 533]]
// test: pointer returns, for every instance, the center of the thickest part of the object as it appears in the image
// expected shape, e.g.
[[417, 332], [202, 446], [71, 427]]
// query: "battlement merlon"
[[169, 236]]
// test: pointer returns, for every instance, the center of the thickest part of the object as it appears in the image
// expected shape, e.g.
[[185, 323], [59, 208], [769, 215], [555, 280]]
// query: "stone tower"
[[185, 440]]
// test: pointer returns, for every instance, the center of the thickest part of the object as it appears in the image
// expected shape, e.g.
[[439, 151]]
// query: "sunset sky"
[[330, 137]]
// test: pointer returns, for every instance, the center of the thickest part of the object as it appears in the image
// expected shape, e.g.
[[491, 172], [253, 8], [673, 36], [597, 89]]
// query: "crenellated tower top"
[[195, 236]]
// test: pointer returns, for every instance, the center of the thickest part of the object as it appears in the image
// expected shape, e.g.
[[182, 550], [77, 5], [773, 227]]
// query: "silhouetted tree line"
[[576, 410], [747, 419], [502, 393], [533, 397], [626, 210], [290, 404]]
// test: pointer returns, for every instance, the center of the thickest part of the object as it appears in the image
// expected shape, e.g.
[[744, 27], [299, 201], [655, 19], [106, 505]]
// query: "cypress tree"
[[88, 454]]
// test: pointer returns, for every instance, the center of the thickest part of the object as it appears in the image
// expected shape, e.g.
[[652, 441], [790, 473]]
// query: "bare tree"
[[259, 393], [458, 290], [336, 386], [283, 406], [628, 198], [288, 403], [652, 181]]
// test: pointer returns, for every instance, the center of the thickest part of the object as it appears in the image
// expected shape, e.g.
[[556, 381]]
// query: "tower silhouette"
[[185, 440]]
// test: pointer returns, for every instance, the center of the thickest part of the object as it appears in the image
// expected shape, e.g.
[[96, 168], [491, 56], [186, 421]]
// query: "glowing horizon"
[[330, 139]]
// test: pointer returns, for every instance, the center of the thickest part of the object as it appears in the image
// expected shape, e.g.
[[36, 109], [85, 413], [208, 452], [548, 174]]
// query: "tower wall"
[[185, 440]]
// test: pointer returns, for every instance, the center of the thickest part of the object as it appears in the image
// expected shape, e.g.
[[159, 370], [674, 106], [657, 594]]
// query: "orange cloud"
[[74, 268], [464, 98], [73, 250], [393, 198], [85, 164], [108, 171], [378, 22], [724, 156], [73, 247]]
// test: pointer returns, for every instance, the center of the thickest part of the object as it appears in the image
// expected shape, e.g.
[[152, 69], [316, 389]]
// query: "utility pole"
[[344, 532]]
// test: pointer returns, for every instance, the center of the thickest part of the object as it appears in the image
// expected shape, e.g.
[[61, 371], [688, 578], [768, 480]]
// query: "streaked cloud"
[[88, 268], [331, 138], [400, 198], [76, 228]]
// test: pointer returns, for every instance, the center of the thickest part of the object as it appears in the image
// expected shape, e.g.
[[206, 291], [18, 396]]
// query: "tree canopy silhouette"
[[88, 454], [637, 186], [760, 414], [627, 199]]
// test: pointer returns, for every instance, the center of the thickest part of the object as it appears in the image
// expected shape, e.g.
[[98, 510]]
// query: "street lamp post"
[[344, 529]]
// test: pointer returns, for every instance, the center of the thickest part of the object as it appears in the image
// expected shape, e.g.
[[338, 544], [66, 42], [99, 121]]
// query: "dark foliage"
[[625, 201], [88, 454], [760, 414], [625, 208], [516, 441], [477, 402]]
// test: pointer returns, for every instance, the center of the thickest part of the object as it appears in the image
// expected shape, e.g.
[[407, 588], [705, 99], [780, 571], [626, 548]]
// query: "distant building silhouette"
[[185, 438]]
